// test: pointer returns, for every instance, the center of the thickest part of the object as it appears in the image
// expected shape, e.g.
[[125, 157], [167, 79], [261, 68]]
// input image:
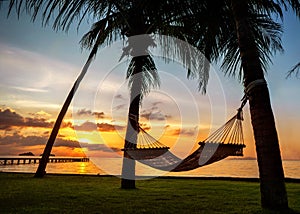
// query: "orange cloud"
[[9, 119], [103, 127], [86, 112], [188, 132], [106, 127], [86, 126]]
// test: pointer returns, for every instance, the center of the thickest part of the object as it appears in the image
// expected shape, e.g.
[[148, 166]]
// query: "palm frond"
[[147, 76], [87, 41], [192, 59], [267, 7], [295, 70], [291, 4], [64, 13], [267, 34]]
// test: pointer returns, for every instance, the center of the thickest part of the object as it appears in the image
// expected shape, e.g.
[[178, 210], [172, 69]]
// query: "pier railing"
[[36, 159]]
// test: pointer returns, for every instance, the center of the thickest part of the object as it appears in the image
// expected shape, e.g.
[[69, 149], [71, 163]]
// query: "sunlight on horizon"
[[35, 83]]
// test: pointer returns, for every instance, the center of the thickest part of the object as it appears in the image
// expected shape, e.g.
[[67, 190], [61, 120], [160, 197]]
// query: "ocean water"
[[113, 166]]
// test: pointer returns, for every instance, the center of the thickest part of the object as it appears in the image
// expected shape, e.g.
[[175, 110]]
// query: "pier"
[[35, 159]]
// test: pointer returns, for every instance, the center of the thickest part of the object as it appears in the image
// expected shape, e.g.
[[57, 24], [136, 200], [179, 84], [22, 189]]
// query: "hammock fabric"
[[226, 141], [147, 147]]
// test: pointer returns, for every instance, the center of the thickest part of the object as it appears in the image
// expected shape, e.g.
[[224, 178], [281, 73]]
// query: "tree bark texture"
[[41, 170], [272, 186], [128, 168]]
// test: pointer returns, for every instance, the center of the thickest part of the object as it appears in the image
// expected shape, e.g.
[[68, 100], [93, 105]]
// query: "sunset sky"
[[38, 67]]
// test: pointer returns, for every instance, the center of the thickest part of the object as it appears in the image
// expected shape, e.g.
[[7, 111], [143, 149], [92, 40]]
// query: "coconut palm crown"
[[114, 20], [245, 53], [242, 34]]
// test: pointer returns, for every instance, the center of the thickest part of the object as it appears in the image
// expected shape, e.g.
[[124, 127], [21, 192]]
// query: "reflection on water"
[[113, 166], [68, 168], [82, 168]]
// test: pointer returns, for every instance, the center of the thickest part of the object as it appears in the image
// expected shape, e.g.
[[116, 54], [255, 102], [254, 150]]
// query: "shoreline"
[[287, 179]]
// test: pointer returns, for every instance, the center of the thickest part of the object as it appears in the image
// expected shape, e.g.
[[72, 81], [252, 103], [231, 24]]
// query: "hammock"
[[147, 147], [227, 141]]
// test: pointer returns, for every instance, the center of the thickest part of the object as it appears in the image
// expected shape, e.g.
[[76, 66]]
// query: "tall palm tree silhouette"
[[244, 35], [239, 31], [116, 20]]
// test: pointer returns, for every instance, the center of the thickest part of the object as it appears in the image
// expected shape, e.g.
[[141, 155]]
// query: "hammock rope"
[[226, 141], [147, 147], [230, 132]]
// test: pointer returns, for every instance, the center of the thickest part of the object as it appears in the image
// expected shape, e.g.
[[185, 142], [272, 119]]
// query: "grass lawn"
[[21, 193]]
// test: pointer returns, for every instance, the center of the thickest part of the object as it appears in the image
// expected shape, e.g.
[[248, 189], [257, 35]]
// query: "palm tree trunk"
[[41, 170], [128, 168], [272, 186]]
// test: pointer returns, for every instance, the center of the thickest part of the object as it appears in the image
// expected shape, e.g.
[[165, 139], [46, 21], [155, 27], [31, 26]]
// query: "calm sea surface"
[[112, 166]]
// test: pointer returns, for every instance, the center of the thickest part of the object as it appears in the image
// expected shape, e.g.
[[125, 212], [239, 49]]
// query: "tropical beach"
[[157, 102], [231, 168]]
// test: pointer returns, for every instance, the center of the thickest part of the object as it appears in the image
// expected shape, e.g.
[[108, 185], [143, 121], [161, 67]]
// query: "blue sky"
[[38, 66]]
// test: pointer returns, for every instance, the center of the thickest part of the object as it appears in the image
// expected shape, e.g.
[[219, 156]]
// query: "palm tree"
[[234, 18], [273, 192], [33, 7], [145, 18], [249, 47], [142, 75], [41, 170], [116, 19]]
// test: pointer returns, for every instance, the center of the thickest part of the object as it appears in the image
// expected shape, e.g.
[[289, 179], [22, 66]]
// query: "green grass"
[[21, 193]]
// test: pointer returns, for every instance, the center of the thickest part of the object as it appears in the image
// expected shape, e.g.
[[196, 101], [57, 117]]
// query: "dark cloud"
[[37, 122], [189, 132], [121, 106], [66, 143], [99, 147], [66, 125], [20, 140], [106, 127], [86, 126], [9, 118], [153, 114], [119, 96], [31, 140], [8, 140], [86, 112], [99, 115]]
